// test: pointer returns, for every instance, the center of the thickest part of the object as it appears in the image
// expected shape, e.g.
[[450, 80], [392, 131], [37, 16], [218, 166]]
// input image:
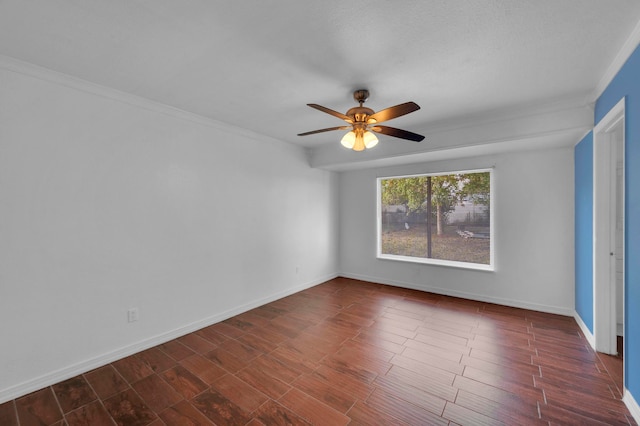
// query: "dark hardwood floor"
[[613, 365], [349, 352]]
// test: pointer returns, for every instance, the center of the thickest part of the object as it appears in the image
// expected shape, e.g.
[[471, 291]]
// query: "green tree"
[[411, 192], [408, 192], [476, 187], [445, 195]]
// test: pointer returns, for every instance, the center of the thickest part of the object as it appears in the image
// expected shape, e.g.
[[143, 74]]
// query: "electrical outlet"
[[132, 314]]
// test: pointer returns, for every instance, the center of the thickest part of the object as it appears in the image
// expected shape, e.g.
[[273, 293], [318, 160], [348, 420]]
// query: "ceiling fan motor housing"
[[360, 114], [361, 95]]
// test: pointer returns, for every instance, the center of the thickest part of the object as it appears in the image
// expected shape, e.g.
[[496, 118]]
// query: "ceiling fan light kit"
[[363, 121], [359, 139]]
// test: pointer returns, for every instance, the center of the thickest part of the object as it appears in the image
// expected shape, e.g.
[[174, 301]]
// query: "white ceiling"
[[256, 63]]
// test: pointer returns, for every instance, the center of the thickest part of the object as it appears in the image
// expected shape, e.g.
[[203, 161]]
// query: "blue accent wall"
[[627, 83], [583, 162]]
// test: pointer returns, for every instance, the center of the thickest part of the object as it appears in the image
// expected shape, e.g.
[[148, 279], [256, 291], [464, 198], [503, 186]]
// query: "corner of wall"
[[632, 405], [585, 330]]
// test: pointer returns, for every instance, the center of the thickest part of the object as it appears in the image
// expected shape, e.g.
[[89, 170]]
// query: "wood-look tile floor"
[[348, 352]]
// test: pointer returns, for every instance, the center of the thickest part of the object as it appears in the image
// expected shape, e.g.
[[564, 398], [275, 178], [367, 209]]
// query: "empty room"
[[292, 212]]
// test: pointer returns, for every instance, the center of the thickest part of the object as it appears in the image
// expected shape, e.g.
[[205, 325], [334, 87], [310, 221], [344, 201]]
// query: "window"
[[442, 219]]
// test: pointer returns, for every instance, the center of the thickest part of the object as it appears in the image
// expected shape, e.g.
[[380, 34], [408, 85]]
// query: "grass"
[[449, 246]]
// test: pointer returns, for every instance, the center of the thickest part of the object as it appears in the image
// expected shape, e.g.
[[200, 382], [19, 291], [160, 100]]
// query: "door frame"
[[604, 228]]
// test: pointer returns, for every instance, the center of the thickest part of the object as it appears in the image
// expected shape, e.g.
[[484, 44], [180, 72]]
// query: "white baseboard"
[[585, 330], [70, 371], [463, 295], [632, 405]]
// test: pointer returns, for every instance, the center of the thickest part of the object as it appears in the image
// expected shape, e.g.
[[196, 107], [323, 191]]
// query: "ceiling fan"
[[363, 121]]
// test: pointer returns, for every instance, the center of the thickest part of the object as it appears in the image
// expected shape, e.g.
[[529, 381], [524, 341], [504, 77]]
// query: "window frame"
[[439, 262]]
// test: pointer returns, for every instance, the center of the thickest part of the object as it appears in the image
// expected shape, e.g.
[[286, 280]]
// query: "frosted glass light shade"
[[349, 140], [370, 140], [359, 140]]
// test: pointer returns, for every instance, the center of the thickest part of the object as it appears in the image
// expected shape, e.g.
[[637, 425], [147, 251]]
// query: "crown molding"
[[554, 139], [624, 53], [524, 111], [46, 74], [582, 137]]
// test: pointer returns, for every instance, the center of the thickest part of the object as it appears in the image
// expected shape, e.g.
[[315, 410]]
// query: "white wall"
[[533, 246], [109, 202]]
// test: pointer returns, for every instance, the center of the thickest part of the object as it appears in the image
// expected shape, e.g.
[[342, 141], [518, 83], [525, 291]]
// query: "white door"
[[608, 229]]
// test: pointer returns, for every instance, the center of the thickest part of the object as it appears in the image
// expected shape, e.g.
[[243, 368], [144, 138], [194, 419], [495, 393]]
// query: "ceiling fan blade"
[[397, 133], [393, 112], [332, 112], [324, 130]]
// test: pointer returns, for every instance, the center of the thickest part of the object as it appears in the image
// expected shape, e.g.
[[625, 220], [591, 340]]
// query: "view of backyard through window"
[[442, 217]]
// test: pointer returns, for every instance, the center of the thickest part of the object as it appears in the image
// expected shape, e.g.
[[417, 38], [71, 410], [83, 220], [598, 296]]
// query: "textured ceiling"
[[256, 63]]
